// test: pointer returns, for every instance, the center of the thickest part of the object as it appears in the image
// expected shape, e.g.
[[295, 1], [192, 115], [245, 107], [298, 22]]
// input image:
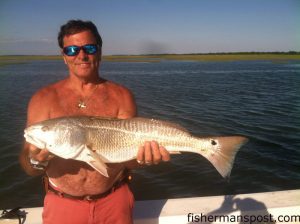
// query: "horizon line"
[[206, 53]]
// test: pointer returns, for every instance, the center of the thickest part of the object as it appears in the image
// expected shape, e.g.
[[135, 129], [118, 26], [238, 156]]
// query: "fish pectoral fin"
[[100, 166], [95, 160], [98, 163]]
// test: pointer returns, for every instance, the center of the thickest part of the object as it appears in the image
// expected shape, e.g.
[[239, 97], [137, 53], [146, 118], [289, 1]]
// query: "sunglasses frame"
[[76, 49]]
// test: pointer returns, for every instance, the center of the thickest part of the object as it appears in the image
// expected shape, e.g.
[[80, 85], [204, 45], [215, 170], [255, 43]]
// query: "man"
[[77, 193]]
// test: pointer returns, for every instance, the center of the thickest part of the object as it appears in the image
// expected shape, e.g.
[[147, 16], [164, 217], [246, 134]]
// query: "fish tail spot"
[[213, 142]]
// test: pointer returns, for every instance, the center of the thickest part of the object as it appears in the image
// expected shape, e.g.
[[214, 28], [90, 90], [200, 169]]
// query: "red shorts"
[[115, 208]]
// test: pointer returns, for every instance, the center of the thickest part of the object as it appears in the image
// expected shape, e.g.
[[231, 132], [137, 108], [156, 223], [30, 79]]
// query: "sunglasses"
[[74, 50]]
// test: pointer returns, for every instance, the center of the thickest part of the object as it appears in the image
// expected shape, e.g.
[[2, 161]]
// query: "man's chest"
[[67, 104]]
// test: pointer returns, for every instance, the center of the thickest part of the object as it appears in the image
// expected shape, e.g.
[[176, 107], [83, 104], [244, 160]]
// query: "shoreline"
[[276, 57]]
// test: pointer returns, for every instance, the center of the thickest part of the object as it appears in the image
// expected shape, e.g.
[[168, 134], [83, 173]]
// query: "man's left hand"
[[151, 153]]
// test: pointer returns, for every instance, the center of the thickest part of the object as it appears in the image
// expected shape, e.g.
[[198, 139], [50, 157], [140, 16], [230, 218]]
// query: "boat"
[[265, 207]]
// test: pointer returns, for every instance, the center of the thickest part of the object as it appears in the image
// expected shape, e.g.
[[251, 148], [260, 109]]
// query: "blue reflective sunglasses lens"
[[74, 50], [71, 50], [90, 48]]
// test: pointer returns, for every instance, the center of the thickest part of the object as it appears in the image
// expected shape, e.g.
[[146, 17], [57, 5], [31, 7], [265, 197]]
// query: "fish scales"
[[118, 140]]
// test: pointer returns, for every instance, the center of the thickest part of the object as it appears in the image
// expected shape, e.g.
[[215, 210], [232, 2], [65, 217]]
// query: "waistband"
[[122, 180]]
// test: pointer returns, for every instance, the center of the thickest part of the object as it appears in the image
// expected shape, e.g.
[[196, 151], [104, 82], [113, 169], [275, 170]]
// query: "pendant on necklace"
[[81, 104]]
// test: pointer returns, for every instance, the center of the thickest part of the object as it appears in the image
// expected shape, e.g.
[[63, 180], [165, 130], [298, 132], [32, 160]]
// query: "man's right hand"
[[32, 152], [40, 155]]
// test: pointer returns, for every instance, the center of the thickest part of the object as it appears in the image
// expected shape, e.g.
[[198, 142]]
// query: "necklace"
[[82, 103]]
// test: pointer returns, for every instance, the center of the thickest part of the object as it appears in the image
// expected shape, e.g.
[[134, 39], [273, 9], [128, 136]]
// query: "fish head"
[[60, 137], [38, 135]]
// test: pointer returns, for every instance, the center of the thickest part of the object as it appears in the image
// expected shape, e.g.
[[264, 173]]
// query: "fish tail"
[[223, 157]]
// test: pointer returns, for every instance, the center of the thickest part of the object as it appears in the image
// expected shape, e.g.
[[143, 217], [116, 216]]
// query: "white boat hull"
[[283, 206]]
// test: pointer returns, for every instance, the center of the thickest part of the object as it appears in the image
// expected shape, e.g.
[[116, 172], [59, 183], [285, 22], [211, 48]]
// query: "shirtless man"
[[78, 193]]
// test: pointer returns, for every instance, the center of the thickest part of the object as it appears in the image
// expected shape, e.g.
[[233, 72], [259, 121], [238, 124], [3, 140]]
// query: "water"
[[257, 99]]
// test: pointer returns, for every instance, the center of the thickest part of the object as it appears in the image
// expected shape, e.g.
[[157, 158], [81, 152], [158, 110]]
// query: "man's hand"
[[151, 153], [31, 152], [40, 155]]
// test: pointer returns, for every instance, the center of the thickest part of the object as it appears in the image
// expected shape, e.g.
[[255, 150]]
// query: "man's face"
[[83, 65]]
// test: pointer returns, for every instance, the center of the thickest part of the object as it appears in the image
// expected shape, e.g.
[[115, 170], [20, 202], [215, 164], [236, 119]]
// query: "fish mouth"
[[34, 141]]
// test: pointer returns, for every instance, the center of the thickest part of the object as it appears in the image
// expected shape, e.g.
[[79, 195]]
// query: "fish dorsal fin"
[[152, 121], [104, 118], [142, 119]]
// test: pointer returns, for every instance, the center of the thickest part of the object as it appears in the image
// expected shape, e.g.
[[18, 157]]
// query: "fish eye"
[[45, 128], [213, 142]]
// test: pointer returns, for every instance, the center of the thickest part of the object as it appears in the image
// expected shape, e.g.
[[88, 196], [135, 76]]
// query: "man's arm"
[[37, 111], [27, 153], [127, 103]]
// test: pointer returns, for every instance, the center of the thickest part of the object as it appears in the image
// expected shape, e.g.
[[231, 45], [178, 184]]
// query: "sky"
[[30, 27]]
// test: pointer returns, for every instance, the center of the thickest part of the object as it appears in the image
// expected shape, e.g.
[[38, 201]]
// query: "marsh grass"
[[205, 57], [21, 59], [275, 57]]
